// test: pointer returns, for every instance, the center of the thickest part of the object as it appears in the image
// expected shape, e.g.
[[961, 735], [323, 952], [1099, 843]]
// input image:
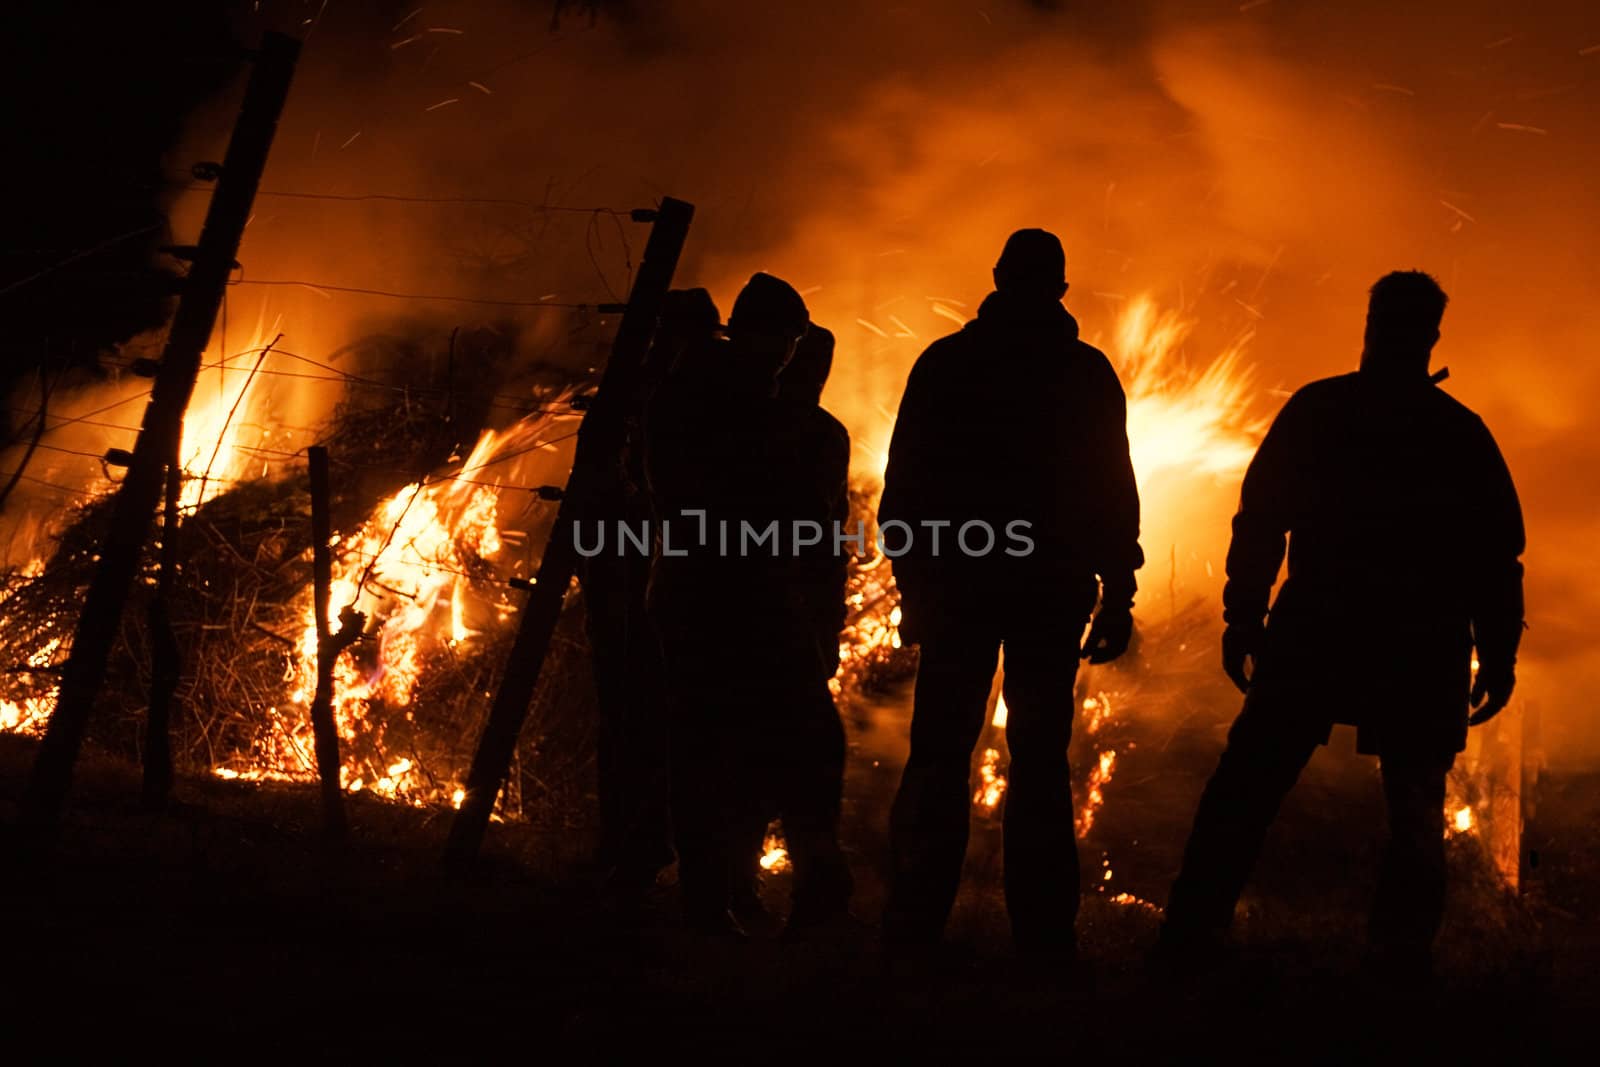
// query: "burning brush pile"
[[429, 537]]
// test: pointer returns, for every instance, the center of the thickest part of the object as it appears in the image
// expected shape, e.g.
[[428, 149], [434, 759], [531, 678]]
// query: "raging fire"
[[421, 568], [416, 568]]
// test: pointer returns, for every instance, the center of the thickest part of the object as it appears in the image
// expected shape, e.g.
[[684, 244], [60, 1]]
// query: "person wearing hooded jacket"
[[725, 454], [1009, 508]]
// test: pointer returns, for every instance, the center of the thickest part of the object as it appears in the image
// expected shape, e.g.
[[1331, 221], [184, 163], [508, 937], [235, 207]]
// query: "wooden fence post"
[[599, 440], [140, 492], [330, 645]]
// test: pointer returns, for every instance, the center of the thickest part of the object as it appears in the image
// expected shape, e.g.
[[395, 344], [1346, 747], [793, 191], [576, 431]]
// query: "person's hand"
[[1491, 693], [1109, 635], [1240, 644]]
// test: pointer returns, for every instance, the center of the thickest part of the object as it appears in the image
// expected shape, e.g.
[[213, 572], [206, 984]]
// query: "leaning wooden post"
[[213, 260], [330, 645], [599, 440], [166, 659]]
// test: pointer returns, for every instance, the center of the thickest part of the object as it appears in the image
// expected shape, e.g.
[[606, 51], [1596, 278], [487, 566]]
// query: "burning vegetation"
[[427, 561], [429, 537]]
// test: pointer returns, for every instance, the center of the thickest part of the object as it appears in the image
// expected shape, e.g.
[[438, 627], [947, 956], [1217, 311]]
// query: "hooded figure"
[[1404, 534], [732, 469], [1009, 507]]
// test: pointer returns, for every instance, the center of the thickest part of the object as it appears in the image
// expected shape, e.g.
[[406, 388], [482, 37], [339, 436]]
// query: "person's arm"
[[1260, 535], [1115, 511], [1261, 525], [1499, 539]]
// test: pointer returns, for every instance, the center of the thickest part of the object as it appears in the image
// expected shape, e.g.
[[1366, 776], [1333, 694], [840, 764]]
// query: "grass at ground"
[[220, 929]]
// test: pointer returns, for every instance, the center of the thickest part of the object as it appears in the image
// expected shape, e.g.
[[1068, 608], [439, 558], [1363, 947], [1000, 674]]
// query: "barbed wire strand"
[[190, 185], [605, 308]]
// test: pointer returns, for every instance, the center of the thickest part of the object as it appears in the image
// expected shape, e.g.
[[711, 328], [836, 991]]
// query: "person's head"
[[689, 322], [1403, 316], [767, 321], [802, 380], [688, 314], [1032, 266]]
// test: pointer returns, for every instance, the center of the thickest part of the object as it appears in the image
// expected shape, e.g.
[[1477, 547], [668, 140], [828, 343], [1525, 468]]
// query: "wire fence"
[[326, 372]]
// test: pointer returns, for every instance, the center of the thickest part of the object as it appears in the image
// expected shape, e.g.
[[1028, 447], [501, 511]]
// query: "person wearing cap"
[[1403, 532], [1011, 497], [631, 737], [724, 455]]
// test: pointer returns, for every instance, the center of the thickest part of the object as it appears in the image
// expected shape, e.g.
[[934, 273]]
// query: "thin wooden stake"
[[330, 645], [599, 442]]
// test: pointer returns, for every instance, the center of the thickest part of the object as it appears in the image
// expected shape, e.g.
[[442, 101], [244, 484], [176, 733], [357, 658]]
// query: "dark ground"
[[219, 930]]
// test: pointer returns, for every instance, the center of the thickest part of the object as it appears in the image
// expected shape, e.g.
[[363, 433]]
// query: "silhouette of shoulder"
[[1099, 365], [1350, 391], [971, 351], [830, 433], [951, 354]]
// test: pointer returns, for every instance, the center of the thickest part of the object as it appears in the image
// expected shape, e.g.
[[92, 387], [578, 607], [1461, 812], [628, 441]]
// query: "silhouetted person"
[[631, 756], [813, 789], [1404, 533], [725, 455], [1012, 420], [820, 738]]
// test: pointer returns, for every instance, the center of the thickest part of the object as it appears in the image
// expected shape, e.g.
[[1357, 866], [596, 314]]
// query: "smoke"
[[1250, 167]]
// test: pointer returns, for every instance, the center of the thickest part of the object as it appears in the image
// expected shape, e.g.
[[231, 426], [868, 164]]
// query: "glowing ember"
[[1128, 900], [991, 783], [27, 717], [1462, 821], [774, 853], [1096, 710], [1094, 793], [992, 780], [872, 629]]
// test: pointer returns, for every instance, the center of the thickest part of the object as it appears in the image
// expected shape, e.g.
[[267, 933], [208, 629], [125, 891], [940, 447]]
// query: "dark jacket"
[[718, 441], [821, 451], [1404, 533], [1014, 418]]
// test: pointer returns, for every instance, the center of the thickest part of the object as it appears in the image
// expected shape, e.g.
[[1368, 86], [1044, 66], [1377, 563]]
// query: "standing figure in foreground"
[[728, 461], [635, 825], [1404, 533], [1010, 507]]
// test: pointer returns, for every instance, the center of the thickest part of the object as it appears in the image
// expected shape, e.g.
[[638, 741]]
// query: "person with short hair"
[[1404, 534], [1010, 503]]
